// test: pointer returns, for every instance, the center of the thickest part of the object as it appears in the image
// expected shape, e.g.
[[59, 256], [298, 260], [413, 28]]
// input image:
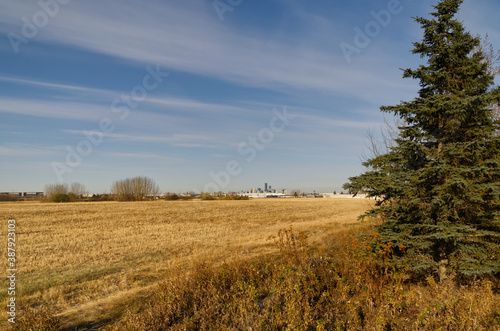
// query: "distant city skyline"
[[197, 98]]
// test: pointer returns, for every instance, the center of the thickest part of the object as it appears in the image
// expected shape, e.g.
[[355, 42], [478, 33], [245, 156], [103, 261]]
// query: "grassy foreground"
[[88, 262], [222, 265]]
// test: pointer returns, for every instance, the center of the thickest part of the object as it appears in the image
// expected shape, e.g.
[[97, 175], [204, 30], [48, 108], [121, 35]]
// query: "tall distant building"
[[265, 187]]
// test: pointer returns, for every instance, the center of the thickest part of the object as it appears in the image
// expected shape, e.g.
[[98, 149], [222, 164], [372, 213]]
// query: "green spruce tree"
[[438, 188]]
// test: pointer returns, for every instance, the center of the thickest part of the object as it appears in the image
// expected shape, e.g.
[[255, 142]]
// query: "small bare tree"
[[70, 192], [51, 190], [77, 189], [134, 189], [492, 59], [381, 143]]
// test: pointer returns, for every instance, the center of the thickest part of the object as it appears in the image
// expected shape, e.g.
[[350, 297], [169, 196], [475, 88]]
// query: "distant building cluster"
[[22, 195], [268, 191]]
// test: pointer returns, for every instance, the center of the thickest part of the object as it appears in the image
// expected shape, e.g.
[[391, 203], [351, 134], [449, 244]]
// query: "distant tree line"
[[129, 189]]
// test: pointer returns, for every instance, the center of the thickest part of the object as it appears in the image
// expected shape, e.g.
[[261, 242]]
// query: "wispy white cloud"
[[53, 109], [58, 87], [147, 156], [83, 103], [25, 150], [163, 33], [196, 106], [333, 122], [181, 140]]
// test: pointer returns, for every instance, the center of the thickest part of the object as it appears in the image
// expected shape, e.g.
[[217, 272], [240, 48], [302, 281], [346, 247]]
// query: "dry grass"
[[311, 288], [88, 261], [224, 265]]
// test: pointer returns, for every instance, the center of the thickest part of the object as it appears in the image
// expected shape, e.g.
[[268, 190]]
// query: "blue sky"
[[225, 94]]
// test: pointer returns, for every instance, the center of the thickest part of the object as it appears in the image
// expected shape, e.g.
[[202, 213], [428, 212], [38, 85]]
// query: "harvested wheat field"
[[88, 262]]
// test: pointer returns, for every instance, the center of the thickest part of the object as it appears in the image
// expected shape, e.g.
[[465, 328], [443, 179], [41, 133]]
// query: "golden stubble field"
[[89, 261]]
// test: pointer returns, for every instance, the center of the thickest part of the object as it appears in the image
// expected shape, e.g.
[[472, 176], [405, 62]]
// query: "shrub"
[[172, 197], [208, 196], [61, 198], [6, 197]]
